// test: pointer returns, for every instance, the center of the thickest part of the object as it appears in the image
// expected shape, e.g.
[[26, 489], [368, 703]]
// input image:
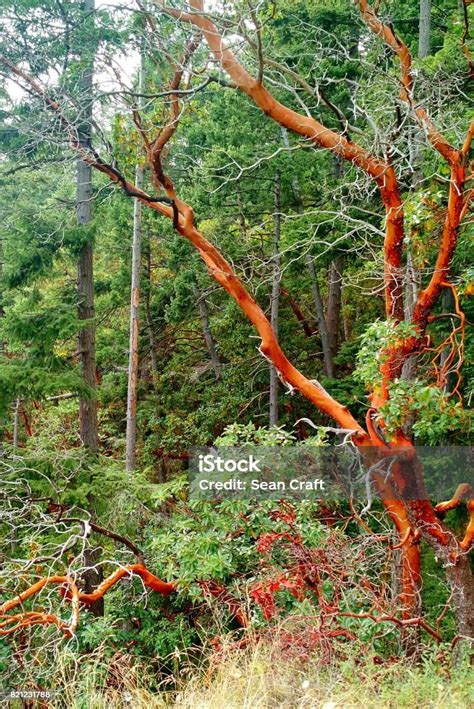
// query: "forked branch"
[[68, 589]]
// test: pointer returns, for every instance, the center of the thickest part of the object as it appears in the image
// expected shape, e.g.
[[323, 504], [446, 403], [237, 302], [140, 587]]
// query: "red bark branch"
[[69, 590], [308, 127]]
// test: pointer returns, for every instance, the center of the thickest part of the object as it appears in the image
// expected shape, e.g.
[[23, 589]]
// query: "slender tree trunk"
[[424, 29], [347, 320], [87, 406], [148, 316], [320, 317], [334, 304], [16, 422], [243, 225], [131, 433], [206, 330], [275, 296], [315, 291], [85, 266], [412, 286], [412, 276], [161, 475], [133, 362], [85, 289], [247, 262]]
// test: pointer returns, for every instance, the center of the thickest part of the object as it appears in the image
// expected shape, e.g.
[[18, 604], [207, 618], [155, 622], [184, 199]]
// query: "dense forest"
[[235, 224]]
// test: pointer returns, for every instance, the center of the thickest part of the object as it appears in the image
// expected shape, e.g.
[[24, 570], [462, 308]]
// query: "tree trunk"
[[247, 262], [85, 266], [87, 406], [334, 304], [85, 291], [412, 286], [320, 317], [16, 422], [92, 578], [131, 433], [206, 330], [424, 29], [412, 283], [243, 225], [275, 296], [149, 318]]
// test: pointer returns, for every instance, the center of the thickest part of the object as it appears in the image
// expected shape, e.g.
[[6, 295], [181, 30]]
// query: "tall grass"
[[258, 677]]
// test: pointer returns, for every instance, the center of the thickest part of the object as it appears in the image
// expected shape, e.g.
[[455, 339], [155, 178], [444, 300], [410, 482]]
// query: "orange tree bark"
[[68, 588]]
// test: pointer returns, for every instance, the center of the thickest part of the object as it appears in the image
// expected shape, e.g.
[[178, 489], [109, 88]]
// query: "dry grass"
[[260, 678]]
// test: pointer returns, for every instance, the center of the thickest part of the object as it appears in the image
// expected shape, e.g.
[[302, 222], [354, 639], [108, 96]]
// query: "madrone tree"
[[290, 99]]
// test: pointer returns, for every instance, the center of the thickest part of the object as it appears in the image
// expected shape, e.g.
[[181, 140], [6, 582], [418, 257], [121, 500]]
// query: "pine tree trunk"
[[87, 406], [131, 433], [85, 308], [16, 422], [412, 286], [334, 304], [133, 362], [320, 317], [149, 318], [85, 266], [412, 276], [462, 583], [206, 331], [275, 296], [424, 29]]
